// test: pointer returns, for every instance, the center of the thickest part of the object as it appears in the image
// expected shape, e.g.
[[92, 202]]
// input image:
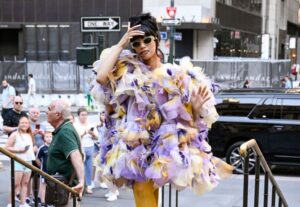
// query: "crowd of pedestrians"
[[62, 144]]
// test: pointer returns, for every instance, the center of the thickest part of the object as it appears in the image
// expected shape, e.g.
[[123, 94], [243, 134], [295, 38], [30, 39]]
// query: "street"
[[227, 194]]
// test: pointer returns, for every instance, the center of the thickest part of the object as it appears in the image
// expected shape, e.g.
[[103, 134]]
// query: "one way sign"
[[100, 24]]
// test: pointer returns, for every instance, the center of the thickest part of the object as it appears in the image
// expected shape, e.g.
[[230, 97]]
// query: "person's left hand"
[[198, 98], [79, 189]]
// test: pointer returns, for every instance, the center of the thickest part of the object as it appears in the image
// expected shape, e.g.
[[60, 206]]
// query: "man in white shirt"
[[31, 91], [8, 94]]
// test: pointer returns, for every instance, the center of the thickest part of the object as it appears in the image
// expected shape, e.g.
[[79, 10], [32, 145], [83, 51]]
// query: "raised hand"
[[198, 98], [131, 32]]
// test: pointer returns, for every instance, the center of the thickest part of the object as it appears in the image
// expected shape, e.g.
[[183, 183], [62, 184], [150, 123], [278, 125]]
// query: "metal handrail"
[[260, 161], [38, 171]]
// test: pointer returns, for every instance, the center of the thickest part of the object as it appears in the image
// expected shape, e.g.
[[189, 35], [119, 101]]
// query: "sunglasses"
[[146, 40], [18, 102]]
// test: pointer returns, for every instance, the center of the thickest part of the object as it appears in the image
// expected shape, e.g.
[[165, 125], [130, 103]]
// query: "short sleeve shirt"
[[12, 118], [6, 93], [42, 155], [65, 141], [31, 85]]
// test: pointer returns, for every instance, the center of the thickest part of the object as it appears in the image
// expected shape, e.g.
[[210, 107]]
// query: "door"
[[285, 132]]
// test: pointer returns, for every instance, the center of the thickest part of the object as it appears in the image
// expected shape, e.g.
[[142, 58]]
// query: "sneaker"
[[28, 200], [92, 186], [108, 194], [112, 197], [103, 185], [24, 205], [111, 193], [38, 200], [17, 198], [89, 190], [8, 205]]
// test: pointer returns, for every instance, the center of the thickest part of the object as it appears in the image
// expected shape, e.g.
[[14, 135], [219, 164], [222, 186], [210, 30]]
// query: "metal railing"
[[170, 195], [36, 171], [260, 162]]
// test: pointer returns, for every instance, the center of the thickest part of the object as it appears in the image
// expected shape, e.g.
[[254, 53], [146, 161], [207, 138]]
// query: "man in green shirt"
[[64, 155]]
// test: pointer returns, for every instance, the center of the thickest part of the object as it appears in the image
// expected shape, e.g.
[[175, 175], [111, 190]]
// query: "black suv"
[[271, 117]]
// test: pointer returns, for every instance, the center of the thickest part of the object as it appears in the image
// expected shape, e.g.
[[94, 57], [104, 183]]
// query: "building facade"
[[196, 30], [41, 30], [258, 28]]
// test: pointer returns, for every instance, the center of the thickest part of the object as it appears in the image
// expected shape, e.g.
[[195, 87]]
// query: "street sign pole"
[[171, 53]]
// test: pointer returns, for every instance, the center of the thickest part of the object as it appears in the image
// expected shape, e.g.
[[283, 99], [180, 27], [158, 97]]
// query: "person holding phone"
[[88, 136], [37, 128], [21, 142]]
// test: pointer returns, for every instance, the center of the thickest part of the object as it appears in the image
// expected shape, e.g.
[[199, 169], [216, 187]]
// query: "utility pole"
[[172, 33]]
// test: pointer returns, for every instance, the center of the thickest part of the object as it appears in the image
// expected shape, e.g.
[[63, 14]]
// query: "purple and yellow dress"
[[153, 133]]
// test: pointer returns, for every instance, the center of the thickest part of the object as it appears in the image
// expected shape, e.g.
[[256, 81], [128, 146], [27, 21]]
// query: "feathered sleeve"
[[179, 83], [122, 78], [194, 79]]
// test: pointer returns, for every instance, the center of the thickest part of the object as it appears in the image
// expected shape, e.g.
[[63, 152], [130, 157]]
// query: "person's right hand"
[[79, 189], [131, 32], [35, 132]]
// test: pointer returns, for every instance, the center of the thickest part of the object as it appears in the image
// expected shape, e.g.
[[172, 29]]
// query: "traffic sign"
[[171, 11], [163, 35], [100, 24], [178, 36], [171, 22]]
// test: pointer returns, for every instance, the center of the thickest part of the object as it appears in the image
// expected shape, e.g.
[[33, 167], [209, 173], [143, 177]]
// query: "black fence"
[[50, 77], [232, 73], [67, 77]]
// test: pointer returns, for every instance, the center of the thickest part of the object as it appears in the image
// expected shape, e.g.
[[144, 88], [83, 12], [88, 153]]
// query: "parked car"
[[271, 117]]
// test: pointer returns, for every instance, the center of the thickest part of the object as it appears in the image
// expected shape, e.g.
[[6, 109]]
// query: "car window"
[[236, 106], [264, 111], [287, 109]]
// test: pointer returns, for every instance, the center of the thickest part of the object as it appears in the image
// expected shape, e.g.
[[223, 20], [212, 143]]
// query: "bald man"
[[64, 154], [12, 116], [38, 129]]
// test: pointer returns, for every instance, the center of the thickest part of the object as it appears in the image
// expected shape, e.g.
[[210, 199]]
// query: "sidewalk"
[[229, 193]]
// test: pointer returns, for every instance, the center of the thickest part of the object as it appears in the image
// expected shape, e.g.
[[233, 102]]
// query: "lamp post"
[[172, 31]]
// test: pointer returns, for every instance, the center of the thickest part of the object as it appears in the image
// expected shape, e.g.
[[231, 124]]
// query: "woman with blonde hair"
[[21, 143]]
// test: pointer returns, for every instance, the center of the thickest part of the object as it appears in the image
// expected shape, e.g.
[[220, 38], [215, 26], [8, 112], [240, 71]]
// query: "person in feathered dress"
[[159, 116]]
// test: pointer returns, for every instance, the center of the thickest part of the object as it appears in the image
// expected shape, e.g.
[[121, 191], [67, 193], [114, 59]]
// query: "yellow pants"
[[145, 195]]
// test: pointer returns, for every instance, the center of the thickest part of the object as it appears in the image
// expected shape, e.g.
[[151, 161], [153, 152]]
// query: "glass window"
[[236, 106], [288, 109], [264, 111], [254, 6], [237, 44]]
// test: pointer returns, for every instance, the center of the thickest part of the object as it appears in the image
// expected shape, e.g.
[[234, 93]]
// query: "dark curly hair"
[[149, 26]]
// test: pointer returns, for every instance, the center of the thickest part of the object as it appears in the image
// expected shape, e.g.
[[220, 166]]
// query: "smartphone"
[[27, 147], [37, 126]]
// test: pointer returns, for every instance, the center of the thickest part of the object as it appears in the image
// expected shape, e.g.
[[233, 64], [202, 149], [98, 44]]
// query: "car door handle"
[[278, 127]]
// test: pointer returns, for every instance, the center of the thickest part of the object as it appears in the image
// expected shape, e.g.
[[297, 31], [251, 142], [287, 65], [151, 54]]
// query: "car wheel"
[[234, 158]]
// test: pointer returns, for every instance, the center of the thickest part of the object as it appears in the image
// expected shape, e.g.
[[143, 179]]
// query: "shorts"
[[42, 180], [21, 168]]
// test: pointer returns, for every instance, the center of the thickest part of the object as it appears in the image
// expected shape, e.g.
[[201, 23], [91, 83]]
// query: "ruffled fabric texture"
[[155, 133]]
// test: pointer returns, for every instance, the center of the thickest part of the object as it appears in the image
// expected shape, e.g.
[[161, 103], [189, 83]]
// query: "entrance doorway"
[[9, 44]]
